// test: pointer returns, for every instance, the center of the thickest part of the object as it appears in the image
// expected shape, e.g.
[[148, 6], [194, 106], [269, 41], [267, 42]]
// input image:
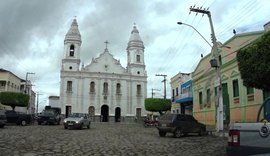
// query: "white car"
[[77, 120]]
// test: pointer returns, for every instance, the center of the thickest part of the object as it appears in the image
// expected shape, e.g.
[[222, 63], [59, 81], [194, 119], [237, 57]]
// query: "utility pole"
[[214, 63], [26, 85], [37, 100], [164, 81], [153, 92]]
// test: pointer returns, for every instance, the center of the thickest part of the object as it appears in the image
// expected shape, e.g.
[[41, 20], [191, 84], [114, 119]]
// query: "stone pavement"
[[103, 139]]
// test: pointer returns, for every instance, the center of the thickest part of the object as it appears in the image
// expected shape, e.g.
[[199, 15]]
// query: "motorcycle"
[[150, 122]]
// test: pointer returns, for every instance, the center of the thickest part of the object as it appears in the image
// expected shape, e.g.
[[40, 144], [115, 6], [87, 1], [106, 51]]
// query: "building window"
[[71, 50], [250, 90], [139, 88], [173, 94], [208, 96], [176, 91], [235, 88], [118, 87], [200, 98], [69, 86], [92, 87], [138, 58], [105, 88]]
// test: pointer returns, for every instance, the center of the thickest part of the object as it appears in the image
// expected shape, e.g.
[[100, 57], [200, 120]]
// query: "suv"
[[3, 119], [179, 124]]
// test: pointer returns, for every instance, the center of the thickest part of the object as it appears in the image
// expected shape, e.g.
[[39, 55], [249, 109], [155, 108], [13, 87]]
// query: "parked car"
[[18, 118], [250, 138], [179, 124], [3, 119], [77, 120], [49, 116]]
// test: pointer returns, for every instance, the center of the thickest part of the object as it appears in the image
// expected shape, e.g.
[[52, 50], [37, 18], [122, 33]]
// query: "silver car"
[[77, 120]]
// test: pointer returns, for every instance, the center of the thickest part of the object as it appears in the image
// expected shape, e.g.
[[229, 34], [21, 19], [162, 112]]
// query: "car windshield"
[[167, 117], [47, 113], [76, 115]]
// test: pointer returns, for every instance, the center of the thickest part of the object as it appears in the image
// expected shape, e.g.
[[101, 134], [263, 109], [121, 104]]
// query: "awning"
[[187, 99]]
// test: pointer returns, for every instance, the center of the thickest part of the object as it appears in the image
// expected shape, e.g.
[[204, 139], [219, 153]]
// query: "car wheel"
[[161, 133], [23, 122], [201, 132], [177, 133], [81, 127]]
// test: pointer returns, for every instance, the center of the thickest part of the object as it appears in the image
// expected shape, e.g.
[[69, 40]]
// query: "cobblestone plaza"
[[103, 139]]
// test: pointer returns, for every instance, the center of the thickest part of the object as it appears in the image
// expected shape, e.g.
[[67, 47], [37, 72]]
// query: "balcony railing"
[[185, 95]]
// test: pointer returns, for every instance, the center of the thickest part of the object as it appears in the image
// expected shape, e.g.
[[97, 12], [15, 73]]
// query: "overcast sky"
[[32, 34]]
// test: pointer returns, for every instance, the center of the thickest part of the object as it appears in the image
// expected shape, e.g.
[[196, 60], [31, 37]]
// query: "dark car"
[[49, 117], [179, 124], [18, 117]]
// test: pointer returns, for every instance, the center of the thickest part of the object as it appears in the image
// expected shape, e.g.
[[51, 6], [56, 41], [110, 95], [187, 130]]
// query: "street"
[[103, 139]]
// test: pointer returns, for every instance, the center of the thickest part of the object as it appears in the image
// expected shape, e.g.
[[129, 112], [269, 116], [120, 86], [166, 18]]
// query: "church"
[[104, 89]]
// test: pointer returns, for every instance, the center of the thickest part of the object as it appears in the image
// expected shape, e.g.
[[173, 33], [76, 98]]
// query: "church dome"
[[135, 39]]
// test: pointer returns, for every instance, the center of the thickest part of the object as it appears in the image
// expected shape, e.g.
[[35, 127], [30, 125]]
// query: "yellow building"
[[176, 82], [240, 103], [9, 82]]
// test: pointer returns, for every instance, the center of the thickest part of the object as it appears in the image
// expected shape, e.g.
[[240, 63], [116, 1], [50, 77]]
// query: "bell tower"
[[135, 54], [72, 45]]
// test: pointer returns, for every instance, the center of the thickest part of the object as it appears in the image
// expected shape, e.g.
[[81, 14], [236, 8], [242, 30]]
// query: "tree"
[[254, 63], [14, 99], [157, 105]]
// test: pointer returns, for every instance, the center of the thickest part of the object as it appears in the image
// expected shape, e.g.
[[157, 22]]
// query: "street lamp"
[[181, 23]]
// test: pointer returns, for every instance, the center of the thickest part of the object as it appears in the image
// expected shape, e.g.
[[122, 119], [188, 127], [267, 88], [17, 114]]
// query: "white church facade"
[[103, 89]]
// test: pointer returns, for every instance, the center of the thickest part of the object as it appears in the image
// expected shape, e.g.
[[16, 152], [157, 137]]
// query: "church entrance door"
[[104, 113], [117, 117]]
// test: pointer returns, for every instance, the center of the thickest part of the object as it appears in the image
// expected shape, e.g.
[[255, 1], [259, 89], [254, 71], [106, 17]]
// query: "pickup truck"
[[250, 138], [51, 115], [18, 118]]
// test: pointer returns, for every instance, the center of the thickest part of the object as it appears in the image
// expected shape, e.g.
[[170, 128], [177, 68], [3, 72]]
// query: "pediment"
[[224, 78], [234, 73], [105, 63]]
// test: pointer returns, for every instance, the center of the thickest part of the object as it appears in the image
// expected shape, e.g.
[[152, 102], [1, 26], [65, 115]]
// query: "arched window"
[[71, 50], [118, 88], [105, 88], [92, 87]]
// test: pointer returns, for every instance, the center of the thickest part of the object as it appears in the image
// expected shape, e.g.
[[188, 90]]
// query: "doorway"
[[117, 117], [104, 113], [68, 111], [226, 103]]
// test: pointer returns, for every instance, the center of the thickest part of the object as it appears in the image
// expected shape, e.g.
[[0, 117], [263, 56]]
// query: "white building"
[[104, 89], [54, 101]]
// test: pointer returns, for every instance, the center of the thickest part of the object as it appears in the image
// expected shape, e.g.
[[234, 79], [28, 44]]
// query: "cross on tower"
[[106, 42]]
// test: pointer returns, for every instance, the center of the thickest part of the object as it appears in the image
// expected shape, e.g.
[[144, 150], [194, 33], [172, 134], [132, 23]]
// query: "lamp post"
[[181, 23], [214, 63]]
